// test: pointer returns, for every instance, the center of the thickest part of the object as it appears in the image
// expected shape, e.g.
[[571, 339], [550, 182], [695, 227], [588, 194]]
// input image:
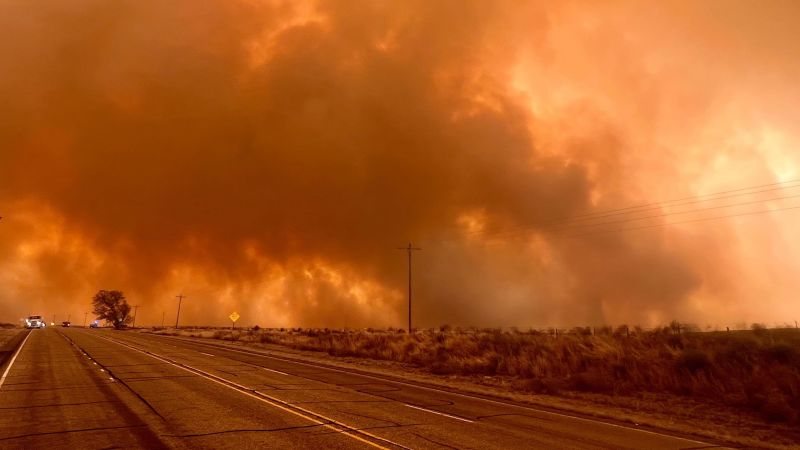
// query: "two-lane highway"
[[152, 391]]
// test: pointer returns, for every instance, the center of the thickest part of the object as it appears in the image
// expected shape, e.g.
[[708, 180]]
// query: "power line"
[[704, 219], [667, 205], [569, 227], [655, 216], [520, 232], [685, 198]]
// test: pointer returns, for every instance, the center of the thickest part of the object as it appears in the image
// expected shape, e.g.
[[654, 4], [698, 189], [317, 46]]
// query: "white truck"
[[35, 322]]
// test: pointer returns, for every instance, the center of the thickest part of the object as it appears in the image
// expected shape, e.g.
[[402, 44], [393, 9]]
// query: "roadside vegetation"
[[112, 307], [757, 369]]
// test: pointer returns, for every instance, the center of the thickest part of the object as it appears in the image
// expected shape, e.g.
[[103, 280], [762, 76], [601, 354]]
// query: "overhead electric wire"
[[694, 197], [666, 205], [568, 227], [618, 230], [520, 231], [704, 219], [656, 216]]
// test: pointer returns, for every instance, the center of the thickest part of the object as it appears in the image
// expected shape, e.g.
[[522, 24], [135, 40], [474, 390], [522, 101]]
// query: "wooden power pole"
[[135, 311], [180, 299], [410, 249]]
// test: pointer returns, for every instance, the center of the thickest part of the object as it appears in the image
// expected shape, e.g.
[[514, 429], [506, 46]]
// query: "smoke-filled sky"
[[269, 157]]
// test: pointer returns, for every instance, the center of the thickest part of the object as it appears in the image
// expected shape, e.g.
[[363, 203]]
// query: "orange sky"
[[268, 157]]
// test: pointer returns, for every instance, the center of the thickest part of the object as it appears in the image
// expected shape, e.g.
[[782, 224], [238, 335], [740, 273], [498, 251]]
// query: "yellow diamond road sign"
[[234, 316]]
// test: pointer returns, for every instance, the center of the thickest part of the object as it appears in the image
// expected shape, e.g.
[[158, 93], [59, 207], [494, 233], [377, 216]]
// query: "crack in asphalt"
[[341, 401], [121, 381], [514, 414], [59, 405], [79, 430], [246, 430], [228, 372], [388, 389], [435, 442], [135, 365], [377, 428], [397, 424], [158, 377], [82, 386]]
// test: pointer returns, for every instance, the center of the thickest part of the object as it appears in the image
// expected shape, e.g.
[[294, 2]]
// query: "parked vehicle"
[[35, 322]]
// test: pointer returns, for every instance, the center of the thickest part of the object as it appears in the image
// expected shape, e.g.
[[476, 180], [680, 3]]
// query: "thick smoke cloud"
[[268, 157]]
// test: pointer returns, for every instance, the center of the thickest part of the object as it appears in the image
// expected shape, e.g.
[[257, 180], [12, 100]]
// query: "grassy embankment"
[[758, 370]]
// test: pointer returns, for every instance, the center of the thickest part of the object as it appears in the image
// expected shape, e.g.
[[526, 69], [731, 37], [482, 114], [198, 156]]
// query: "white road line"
[[266, 399], [439, 413], [458, 394], [276, 371], [207, 354], [14, 358]]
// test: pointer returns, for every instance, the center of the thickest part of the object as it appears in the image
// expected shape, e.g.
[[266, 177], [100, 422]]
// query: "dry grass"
[[757, 370], [6, 336]]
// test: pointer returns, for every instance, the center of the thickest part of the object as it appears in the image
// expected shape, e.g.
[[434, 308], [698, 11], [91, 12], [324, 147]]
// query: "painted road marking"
[[276, 371], [207, 354], [14, 358], [267, 399], [439, 413], [444, 391]]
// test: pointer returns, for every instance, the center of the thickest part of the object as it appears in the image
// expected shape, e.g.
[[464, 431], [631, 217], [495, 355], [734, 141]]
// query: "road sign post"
[[234, 317]]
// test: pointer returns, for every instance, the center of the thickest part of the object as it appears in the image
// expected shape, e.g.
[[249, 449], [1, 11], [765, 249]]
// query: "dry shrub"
[[693, 360], [756, 369]]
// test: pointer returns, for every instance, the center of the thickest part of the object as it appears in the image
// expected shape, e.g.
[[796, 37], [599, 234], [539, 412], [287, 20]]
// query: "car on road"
[[66, 323], [94, 324], [35, 322]]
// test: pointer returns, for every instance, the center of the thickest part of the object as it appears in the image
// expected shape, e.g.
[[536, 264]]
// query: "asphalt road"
[[81, 388]]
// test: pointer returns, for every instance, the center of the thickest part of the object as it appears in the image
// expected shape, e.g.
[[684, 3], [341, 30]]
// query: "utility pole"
[[410, 249], [163, 315], [180, 299], [86, 314], [135, 311]]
